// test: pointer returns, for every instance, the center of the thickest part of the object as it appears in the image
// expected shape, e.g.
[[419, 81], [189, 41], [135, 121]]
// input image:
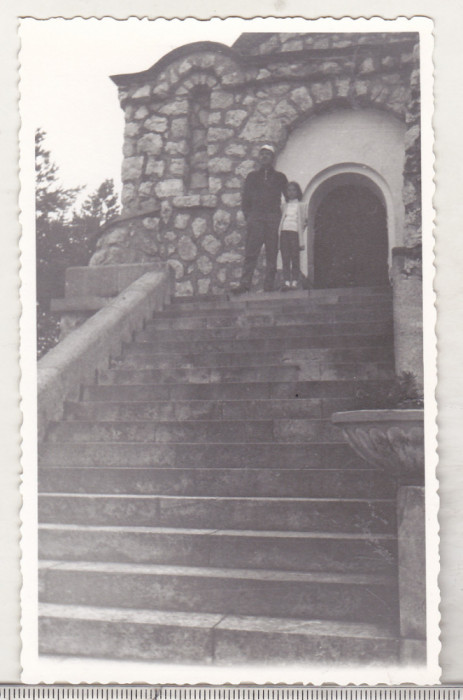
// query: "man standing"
[[261, 202]]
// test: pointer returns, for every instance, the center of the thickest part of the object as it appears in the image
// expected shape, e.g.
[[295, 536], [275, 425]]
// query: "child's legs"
[[285, 247], [294, 256]]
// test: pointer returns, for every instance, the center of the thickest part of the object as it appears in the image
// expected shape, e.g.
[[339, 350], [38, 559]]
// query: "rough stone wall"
[[171, 210], [412, 166]]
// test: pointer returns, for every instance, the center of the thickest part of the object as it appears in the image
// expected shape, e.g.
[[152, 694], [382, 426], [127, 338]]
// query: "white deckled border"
[[95, 671]]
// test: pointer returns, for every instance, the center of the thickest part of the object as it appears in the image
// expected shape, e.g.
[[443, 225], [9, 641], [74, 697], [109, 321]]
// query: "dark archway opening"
[[351, 244]]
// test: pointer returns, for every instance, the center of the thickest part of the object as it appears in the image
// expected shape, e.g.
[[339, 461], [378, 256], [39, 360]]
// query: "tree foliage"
[[64, 236]]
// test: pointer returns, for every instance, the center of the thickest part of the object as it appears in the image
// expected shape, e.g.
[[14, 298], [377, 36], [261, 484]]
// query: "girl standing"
[[292, 225]]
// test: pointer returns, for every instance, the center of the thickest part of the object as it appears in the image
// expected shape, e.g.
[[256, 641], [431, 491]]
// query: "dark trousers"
[[289, 246], [261, 232]]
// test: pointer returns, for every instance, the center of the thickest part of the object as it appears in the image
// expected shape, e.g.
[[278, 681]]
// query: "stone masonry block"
[[221, 100], [177, 147], [231, 199], [219, 134], [204, 264], [210, 244], [220, 165], [188, 200], [181, 221], [169, 188], [178, 269], [141, 112], [199, 227], [215, 184], [151, 223], [141, 92], [301, 97], [208, 200], [150, 144], [233, 239], [186, 248], [235, 149], [145, 189], [155, 167], [321, 92], [177, 167], [179, 128], [229, 258], [235, 117], [204, 286], [128, 148], [175, 107], [131, 129], [156, 123], [221, 221], [184, 289], [128, 193], [132, 168], [233, 183]]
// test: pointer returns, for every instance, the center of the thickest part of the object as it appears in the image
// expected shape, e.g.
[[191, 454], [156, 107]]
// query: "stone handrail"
[[90, 347]]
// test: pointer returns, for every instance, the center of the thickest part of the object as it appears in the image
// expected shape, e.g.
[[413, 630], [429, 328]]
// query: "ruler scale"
[[66, 692]]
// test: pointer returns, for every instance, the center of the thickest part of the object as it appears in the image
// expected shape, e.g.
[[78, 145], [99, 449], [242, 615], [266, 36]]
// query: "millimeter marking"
[[120, 692]]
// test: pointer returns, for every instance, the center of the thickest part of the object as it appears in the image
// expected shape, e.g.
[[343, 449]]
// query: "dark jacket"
[[262, 193]]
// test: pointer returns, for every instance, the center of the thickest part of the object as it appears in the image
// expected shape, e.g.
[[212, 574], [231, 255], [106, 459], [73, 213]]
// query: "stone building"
[[342, 111]]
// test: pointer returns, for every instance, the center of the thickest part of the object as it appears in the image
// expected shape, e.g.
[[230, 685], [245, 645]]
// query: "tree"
[[64, 237], [102, 205], [97, 209], [52, 207], [52, 201]]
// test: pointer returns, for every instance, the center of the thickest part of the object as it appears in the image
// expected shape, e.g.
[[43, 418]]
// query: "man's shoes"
[[294, 284], [286, 287], [239, 289]]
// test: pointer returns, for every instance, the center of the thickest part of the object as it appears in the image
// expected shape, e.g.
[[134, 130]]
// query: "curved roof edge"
[[248, 41], [180, 52]]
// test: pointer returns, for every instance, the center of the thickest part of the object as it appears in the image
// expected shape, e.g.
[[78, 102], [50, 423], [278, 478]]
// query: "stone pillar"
[[412, 573], [89, 288], [406, 261], [408, 311]]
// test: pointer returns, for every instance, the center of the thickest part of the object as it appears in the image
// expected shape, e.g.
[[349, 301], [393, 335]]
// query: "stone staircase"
[[196, 505]]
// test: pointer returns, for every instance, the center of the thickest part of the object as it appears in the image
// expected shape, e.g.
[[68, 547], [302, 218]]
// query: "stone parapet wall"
[[194, 126], [91, 346]]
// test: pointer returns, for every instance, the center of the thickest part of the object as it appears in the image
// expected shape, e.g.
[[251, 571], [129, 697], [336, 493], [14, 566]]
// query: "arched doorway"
[[350, 234]]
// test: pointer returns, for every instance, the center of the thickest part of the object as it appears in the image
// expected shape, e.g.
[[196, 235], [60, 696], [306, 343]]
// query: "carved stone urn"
[[389, 439]]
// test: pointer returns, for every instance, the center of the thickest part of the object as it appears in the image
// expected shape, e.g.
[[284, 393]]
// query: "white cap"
[[267, 147]]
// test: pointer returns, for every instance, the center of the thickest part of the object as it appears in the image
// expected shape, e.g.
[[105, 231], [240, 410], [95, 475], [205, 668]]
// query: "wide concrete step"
[[277, 298], [168, 335], [255, 549], [215, 409], [340, 597], [220, 454], [309, 389], [210, 638], [229, 318], [276, 430], [136, 356], [197, 375], [250, 513], [264, 373], [277, 304], [310, 483], [270, 344]]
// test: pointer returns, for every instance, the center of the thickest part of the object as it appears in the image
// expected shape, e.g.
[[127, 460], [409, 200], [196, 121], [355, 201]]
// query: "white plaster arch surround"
[[366, 144]]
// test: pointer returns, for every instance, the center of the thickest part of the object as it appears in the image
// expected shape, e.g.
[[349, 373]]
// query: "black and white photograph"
[[229, 456]]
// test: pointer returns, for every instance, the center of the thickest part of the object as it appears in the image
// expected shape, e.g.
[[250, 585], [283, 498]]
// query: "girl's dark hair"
[[297, 187]]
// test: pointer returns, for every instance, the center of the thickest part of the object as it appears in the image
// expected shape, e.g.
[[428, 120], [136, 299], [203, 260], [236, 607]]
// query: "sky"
[[66, 90]]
